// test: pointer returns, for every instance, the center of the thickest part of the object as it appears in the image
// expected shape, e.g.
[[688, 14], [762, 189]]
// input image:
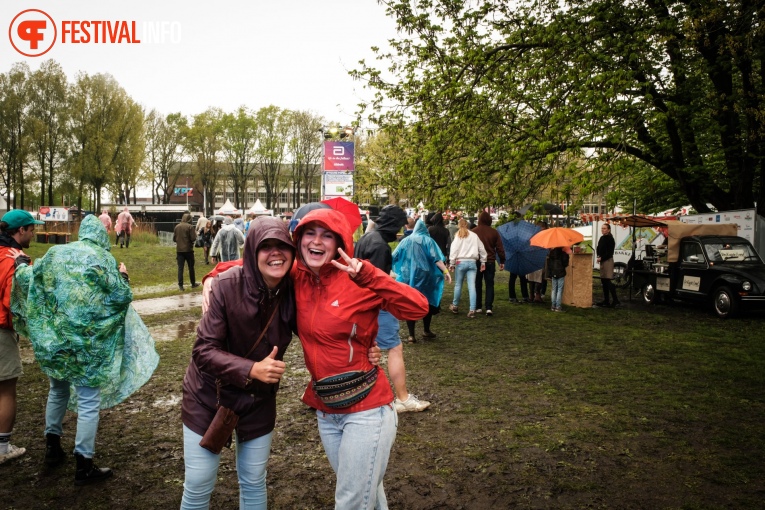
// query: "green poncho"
[[74, 306]]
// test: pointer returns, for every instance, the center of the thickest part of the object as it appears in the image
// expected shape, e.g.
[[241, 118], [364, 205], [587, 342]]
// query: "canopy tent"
[[229, 209], [258, 210]]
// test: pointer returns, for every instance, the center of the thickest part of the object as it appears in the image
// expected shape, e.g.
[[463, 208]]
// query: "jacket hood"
[[390, 221], [261, 229], [437, 220], [91, 229], [484, 219], [330, 219], [420, 229], [186, 218]]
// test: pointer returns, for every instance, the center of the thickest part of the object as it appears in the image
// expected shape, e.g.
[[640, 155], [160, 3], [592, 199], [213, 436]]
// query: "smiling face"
[[274, 261], [318, 246]]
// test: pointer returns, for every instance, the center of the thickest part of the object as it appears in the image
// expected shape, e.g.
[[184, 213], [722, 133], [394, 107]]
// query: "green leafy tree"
[[497, 92], [164, 152], [305, 152], [240, 138], [273, 131], [14, 127], [203, 142]]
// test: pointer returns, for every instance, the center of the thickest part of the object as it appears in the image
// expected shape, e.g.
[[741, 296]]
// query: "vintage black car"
[[724, 271]]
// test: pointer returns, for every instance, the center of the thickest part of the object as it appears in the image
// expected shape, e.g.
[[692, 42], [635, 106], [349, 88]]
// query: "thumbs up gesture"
[[269, 369]]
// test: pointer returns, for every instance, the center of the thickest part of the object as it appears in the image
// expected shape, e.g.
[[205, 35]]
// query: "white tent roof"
[[258, 210], [228, 208]]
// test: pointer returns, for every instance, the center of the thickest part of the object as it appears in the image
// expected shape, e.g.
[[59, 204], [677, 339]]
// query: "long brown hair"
[[463, 231]]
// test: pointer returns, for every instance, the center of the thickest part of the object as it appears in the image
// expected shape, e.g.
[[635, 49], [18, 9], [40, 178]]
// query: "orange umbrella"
[[556, 237]]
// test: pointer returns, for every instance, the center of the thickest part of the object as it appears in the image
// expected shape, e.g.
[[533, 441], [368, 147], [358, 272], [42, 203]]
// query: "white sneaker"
[[412, 404], [489, 313], [479, 311], [15, 451]]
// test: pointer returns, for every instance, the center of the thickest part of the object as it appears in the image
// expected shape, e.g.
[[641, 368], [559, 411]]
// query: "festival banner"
[[338, 156]]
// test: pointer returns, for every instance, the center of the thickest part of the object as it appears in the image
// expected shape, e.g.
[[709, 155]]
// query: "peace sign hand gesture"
[[353, 266]]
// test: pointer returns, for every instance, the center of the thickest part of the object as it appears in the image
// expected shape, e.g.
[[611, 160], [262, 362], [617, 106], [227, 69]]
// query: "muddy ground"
[[531, 410]]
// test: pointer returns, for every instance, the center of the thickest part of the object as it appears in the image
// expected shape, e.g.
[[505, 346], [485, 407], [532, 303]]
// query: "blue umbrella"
[[520, 257]]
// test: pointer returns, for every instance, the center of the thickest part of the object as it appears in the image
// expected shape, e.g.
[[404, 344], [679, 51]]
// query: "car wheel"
[[725, 302], [621, 276], [650, 296]]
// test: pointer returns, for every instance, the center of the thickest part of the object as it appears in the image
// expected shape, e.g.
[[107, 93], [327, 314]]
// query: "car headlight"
[[747, 286]]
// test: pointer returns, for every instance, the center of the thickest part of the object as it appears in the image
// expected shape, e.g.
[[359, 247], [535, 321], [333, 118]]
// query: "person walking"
[[74, 306], [373, 246], [466, 253], [206, 235], [227, 242], [339, 299], [17, 228], [184, 236], [557, 262], [495, 252], [605, 253], [440, 234], [419, 262], [106, 220], [124, 227], [453, 229]]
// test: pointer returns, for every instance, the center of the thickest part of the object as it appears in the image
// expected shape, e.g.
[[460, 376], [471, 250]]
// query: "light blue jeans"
[[557, 291], [88, 405], [358, 447], [202, 471], [465, 268]]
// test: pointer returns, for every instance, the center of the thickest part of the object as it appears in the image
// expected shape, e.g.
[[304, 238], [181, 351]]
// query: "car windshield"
[[731, 252]]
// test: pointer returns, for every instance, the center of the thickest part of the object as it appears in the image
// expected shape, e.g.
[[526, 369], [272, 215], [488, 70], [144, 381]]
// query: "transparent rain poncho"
[[414, 262], [74, 306]]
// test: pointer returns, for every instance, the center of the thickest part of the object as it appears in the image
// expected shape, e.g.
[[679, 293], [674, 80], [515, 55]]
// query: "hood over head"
[[330, 219], [390, 221], [484, 219], [420, 229], [437, 220], [262, 229], [92, 230], [186, 218]]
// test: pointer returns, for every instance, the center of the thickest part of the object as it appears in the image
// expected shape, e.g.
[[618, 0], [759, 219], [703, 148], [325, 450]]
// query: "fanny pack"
[[346, 389]]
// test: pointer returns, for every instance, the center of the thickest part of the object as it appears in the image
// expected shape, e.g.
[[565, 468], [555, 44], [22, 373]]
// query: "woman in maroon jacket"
[[242, 302]]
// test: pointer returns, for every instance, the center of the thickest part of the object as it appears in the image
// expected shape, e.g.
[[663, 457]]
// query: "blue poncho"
[[74, 306], [414, 262]]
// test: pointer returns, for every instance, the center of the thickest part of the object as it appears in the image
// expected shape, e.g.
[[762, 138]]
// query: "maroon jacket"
[[490, 239], [240, 306]]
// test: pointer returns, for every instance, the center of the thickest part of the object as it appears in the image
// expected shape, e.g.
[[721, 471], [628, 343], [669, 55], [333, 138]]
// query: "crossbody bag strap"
[[218, 384]]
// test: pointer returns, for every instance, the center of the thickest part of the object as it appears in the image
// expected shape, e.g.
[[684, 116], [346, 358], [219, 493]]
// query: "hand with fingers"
[[269, 369], [352, 266], [375, 354]]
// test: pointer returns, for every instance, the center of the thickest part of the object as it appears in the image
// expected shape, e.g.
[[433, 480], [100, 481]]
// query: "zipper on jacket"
[[350, 343]]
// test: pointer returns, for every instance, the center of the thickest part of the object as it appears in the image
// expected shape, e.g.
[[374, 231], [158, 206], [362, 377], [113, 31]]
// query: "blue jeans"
[[557, 291], [358, 447], [202, 471], [486, 275], [88, 406], [465, 268]]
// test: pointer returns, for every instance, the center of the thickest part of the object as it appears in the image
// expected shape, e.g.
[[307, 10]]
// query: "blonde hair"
[[463, 231]]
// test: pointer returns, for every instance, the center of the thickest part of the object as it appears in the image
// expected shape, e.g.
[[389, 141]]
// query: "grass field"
[[630, 408]]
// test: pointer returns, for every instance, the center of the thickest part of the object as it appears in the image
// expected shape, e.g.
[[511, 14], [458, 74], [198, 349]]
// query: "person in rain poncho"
[[74, 306], [419, 262]]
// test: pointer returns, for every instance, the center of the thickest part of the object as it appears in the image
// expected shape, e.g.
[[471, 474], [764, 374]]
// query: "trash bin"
[[52, 237], [62, 238], [42, 237]]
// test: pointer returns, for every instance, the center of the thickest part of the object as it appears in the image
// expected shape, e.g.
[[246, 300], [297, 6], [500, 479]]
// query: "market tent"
[[229, 209], [258, 210]]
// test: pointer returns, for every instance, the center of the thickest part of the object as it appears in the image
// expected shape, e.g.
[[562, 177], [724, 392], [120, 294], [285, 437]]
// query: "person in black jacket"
[[557, 261], [440, 233], [605, 253], [373, 246]]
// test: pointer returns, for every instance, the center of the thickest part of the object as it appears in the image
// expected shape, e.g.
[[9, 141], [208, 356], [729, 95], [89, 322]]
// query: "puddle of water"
[[168, 303], [174, 331], [171, 401]]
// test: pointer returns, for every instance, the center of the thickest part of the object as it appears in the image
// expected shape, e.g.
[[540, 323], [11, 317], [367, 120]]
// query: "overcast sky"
[[294, 54]]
